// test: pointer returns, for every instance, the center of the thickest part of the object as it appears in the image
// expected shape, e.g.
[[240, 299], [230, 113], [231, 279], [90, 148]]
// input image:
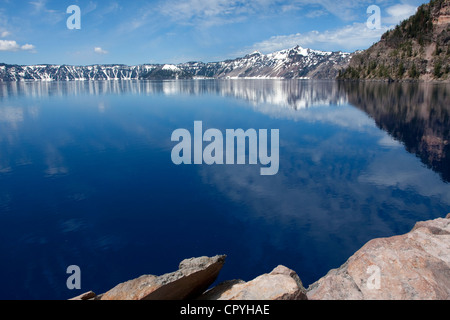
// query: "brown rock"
[[193, 278], [281, 284], [85, 296], [411, 266]]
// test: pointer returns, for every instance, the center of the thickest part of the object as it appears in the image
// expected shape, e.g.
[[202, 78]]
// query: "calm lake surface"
[[86, 177]]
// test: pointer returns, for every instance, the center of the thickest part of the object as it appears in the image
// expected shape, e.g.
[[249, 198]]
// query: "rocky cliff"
[[415, 265], [418, 48]]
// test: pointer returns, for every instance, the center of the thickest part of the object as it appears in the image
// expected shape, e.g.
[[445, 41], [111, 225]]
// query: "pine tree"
[[401, 70], [413, 72], [438, 69]]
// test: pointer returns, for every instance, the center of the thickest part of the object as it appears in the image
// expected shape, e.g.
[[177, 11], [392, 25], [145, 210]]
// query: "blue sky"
[[173, 31]]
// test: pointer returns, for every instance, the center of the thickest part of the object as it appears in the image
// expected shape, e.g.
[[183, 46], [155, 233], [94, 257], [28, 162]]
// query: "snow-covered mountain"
[[287, 64], [293, 63], [62, 73], [67, 73]]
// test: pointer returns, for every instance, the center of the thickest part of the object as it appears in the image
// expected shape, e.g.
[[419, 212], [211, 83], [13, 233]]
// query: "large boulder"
[[280, 284], [193, 277], [406, 267]]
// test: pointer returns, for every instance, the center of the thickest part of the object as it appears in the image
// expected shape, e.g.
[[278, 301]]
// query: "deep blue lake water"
[[86, 177]]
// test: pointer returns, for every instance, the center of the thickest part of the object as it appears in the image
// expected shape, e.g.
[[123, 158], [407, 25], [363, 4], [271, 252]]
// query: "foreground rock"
[[406, 267], [281, 284], [85, 296], [192, 278]]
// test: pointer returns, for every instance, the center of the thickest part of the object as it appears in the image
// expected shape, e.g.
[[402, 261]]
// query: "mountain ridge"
[[294, 63]]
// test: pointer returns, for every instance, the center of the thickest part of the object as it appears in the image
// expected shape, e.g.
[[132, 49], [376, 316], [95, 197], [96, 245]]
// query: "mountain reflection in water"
[[416, 114]]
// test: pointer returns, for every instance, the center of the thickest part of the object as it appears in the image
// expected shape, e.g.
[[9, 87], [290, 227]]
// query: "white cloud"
[[100, 50], [398, 13], [38, 5], [27, 47], [211, 12], [11, 45], [345, 10], [350, 37], [316, 14], [91, 6], [347, 38], [5, 33], [50, 16]]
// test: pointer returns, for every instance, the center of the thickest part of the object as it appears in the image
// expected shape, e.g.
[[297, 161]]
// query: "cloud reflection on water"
[[342, 180]]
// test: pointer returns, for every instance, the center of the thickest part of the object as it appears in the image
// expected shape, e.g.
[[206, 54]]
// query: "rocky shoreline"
[[413, 266]]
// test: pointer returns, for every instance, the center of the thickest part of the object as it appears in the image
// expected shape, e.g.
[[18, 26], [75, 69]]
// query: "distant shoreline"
[[396, 80], [432, 81]]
